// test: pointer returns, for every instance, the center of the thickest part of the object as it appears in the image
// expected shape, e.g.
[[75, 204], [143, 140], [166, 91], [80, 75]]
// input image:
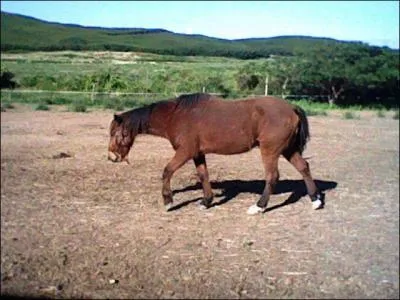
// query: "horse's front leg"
[[176, 162], [201, 166]]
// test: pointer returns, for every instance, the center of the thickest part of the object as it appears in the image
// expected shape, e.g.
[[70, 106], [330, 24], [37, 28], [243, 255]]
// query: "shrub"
[[315, 112], [7, 105], [57, 100], [247, 81], [113, 104], [6, 80], [42, 106], [380, 114], [348, 115], [78, 106]]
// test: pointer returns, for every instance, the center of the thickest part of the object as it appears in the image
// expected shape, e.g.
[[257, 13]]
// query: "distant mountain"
[[23, 33]]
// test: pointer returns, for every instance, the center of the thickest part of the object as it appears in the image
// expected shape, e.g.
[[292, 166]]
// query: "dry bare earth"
[[69, 225]]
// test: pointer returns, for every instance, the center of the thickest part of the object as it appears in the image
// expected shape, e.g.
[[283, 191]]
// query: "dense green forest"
[[23, 33], [318, 68]]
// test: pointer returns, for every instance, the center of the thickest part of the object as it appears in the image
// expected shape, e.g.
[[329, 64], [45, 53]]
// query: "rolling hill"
[[22, 33]]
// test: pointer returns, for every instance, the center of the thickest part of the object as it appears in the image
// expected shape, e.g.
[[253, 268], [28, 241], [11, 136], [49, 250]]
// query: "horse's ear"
[[118, 118]]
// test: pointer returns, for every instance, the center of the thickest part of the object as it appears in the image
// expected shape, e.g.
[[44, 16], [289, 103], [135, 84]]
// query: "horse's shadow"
[[232, 188]]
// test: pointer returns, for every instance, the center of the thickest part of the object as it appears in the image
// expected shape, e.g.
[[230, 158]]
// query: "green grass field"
[[123, 72], [128, 72]]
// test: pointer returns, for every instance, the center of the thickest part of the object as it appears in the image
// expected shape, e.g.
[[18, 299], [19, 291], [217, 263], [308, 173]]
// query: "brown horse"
[[197, 124]]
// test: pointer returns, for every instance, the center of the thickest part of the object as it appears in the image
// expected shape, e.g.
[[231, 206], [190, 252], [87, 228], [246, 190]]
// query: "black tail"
[[303, 132]]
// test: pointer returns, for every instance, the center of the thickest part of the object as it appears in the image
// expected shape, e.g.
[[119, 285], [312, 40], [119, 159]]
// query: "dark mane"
[[189, 100], [138, 119]]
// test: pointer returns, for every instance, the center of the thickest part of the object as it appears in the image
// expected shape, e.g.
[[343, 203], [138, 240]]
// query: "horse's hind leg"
[[271, 178], [175, 163], [302, 166], [201, 166]]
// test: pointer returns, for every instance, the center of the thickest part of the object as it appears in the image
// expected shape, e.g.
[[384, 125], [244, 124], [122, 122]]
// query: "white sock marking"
[[202, 207], [254, 209], [316, 204]]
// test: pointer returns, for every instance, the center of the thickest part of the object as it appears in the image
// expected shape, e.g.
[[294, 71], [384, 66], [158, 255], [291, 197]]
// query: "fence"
[[94, 98]]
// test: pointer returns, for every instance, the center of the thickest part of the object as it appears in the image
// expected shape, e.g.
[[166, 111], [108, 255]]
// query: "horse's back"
[[228, 127], [272, 119], [273, 105]]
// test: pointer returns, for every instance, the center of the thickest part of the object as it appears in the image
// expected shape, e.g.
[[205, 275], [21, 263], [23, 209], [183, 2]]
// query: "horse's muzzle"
[[117, 157], [113, 157]]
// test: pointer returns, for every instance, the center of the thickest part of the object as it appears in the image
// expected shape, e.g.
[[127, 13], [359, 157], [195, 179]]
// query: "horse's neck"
[[159, 120]]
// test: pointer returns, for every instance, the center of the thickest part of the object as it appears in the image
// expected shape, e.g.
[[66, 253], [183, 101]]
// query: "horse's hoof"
[[254, 209], [202, 207], [168, 206], [317, 204]]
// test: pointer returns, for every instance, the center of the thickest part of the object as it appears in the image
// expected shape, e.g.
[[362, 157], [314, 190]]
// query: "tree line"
[[345, 75]]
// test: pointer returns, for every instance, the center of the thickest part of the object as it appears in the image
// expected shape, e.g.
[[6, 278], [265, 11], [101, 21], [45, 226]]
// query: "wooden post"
[[284, 88], [266, 85], [92, 96], [204, 89]]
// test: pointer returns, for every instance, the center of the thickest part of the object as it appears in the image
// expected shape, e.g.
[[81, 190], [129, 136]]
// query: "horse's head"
[[122, 137]]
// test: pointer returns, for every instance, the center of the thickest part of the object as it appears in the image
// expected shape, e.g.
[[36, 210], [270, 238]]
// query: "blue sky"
[[373, 22]]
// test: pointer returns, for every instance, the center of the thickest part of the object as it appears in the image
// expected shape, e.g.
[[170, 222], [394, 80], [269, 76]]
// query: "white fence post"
[[266, 85], [92, 96]]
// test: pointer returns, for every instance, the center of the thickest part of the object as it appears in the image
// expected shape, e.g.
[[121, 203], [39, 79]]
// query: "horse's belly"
[[227, 145]]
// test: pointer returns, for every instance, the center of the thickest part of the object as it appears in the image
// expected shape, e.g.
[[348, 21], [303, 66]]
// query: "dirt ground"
[[74, 225]]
